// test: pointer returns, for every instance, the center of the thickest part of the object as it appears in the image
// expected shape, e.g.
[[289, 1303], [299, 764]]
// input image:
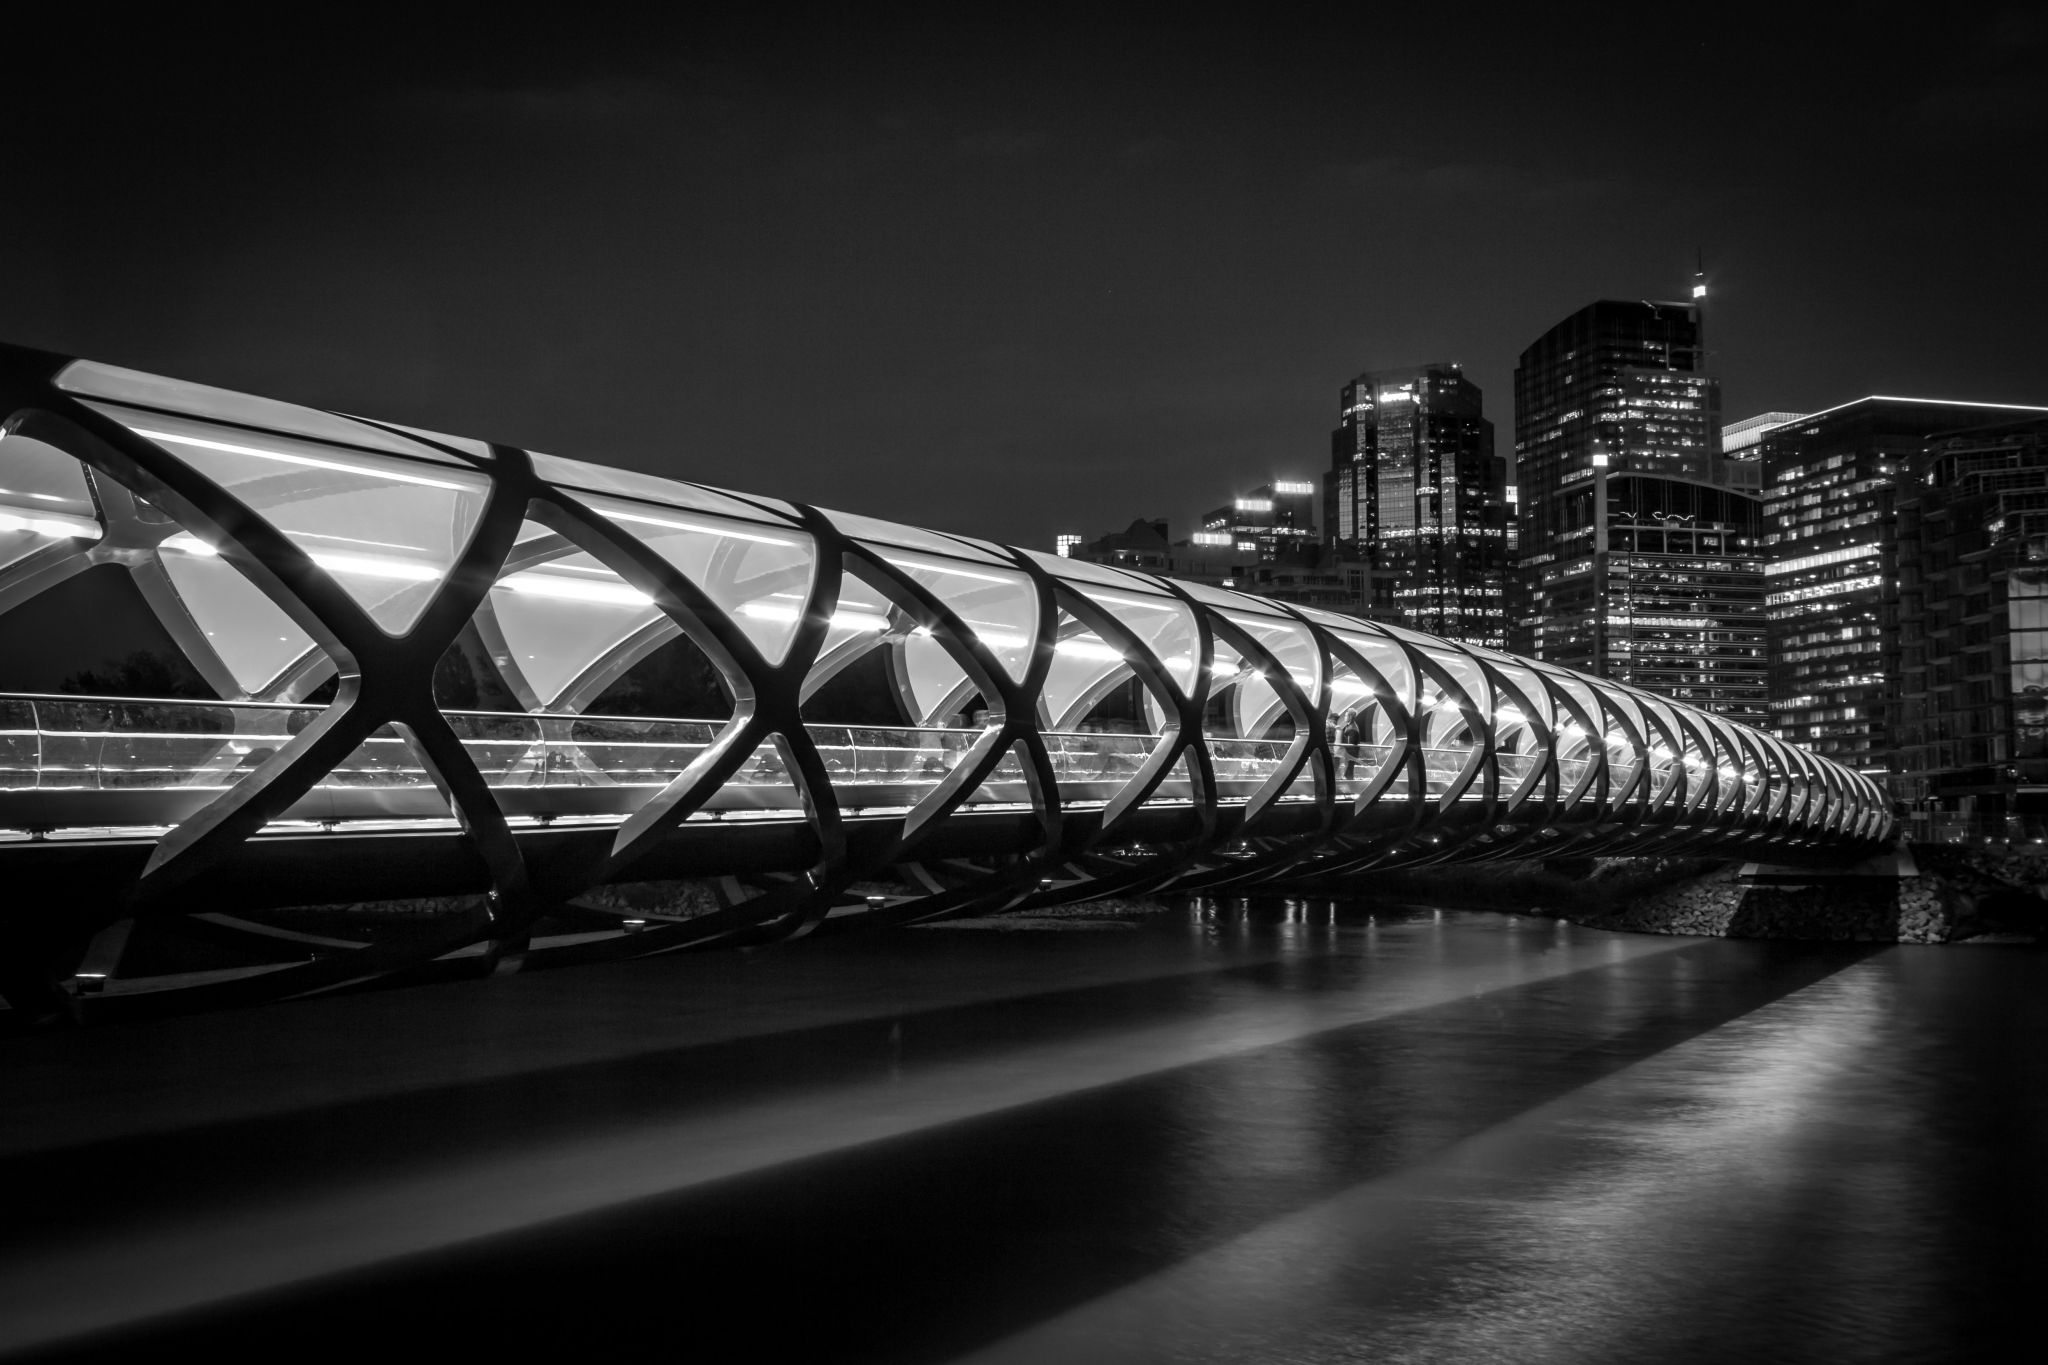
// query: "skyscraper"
[[1637, 553], [1414, 489], [1969, 723], [1832, 579], [1267, 523]]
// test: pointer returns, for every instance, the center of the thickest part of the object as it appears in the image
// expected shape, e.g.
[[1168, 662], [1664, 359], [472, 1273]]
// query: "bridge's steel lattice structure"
[[289, 551]]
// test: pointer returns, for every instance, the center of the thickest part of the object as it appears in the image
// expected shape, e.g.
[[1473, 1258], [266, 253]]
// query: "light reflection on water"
[[1779, 1188]]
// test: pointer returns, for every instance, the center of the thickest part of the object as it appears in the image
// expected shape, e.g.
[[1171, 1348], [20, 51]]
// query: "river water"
[[1272, 1131]]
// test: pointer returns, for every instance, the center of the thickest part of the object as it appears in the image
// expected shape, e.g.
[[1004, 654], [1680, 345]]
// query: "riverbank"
[[1937, 894]]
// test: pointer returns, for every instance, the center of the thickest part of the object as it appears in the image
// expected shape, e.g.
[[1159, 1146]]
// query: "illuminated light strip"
[[309, 461], [858, 621], [942, 568], [1090, 649], [357, 566], [39, 497], [57, 527], [701, 527], [356, 540], [574, 590], [1141, 604], [376, 566]]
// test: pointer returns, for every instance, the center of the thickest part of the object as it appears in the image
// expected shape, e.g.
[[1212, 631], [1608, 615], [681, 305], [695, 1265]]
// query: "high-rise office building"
[[1637, 553], [1684, 607], [1273, 520], [1830, 480], [1415, 490], [1969, 721]]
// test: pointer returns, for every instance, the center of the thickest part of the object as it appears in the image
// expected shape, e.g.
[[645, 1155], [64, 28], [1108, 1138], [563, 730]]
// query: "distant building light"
[[1254, 504], [1395, 396], [1287, 486], [1514, 493], [1599, 462], [1211, 538], [1064, 543]]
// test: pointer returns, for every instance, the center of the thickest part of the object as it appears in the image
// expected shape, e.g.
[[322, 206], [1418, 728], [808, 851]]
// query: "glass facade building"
[[1969, 724], [1637, 550], [1265, 524], [1832, 578], [1414, 490], [1685, 609]]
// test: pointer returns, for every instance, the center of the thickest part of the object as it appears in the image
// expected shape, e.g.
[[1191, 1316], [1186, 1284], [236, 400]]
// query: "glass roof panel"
[[1085, 571], [934, 678], [467, 444], [43, 499], [1530, 689], [94, 380], [387, 530], [580, 476], [908, 537], [1389, 658], [561, 617], [999, 605], [251, 634], [1165, 624], [1332, 619], [862, 610], [758, 574], [1229, 601], [1291, 643], [1084, 665]]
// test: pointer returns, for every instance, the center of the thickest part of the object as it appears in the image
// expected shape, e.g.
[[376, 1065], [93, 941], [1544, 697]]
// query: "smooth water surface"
[[1284, 1131]]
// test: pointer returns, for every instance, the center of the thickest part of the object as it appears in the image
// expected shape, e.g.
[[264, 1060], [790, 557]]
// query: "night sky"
[[1012, 278]]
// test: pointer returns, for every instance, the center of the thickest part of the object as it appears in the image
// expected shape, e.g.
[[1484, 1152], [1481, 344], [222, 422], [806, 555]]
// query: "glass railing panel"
[[1357, 765], [627, 751], [1514, 770], [1242, 761], [1083, 760], [509, 749]]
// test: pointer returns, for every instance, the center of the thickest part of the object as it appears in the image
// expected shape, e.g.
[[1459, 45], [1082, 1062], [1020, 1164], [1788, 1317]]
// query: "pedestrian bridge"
[[570, 710]]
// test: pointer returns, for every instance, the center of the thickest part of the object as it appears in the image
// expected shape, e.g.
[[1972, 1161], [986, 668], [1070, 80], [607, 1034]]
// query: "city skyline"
[[1000, 259]]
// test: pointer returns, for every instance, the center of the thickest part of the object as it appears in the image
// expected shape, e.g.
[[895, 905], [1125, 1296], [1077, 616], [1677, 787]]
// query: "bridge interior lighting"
[[941, 567], [53, 525], [841, 620], [304, 461], [560, 589], [352, 565], [1508, 715], [709, 528], [1088, 649], [1141, 603], [375, 566], [1660, 753]]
